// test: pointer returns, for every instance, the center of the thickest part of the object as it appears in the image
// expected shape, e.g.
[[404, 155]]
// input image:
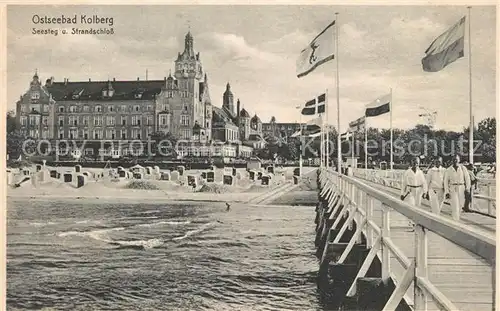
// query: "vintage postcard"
[[250, 157]]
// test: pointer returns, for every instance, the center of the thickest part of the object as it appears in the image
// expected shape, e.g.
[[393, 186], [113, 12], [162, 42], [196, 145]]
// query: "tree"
[[15, 138], [11, 121], [485, 137]]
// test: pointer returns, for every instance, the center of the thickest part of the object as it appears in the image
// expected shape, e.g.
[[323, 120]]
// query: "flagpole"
[[301, 142], [322, 141], [392, 148], [366, 145], [327, 132], [471, 123], [352, 152], [339, 153]]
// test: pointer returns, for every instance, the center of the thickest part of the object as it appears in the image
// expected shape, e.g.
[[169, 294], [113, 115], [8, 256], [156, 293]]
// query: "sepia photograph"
[[251, 157]]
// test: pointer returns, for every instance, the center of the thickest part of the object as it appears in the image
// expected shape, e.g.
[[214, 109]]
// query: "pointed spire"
[[228, 87], [35, 80], [188, 45], [206, 79]]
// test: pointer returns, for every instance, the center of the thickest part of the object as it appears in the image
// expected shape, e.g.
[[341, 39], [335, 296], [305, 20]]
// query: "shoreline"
[[237, 197]]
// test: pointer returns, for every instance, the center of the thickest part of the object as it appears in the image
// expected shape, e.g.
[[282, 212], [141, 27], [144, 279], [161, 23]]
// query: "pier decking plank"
[[463, 277]]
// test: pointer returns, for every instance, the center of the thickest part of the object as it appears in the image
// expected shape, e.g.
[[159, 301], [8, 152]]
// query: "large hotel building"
[[119, 112]]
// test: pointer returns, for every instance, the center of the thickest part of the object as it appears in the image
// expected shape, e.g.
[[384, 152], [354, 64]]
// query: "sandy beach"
[[108, 189]]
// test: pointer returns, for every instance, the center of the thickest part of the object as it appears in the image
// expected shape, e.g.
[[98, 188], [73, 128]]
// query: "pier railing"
[[484, 200], [347, 196]]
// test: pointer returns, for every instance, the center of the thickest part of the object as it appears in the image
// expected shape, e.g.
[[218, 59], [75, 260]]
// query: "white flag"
[[316, 121], [318, 52]]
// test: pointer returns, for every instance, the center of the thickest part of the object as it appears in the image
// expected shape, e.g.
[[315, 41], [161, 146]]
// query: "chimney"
[[90, 80], [114, 79], [238, 108], [137, 78]]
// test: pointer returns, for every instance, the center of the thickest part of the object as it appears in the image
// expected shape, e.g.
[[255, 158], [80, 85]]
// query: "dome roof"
[[256, 118], [244, 113]]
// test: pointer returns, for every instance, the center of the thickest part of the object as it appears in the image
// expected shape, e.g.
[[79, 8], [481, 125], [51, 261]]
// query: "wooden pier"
[[379, 253]]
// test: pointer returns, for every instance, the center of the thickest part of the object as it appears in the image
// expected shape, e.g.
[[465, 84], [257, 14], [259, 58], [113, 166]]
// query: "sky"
[[255, 48]]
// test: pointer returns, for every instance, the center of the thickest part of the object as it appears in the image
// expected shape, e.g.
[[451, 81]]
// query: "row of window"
[[100, 120], [182, 94], [44, 108], [110, 120], [207, 151], [110, 108], [34, 120], [283, 127], [98, 108], [103, 134], [35, 133], [231, 135]]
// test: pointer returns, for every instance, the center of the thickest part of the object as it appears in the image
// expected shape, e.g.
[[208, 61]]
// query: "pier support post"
[[372, 294]]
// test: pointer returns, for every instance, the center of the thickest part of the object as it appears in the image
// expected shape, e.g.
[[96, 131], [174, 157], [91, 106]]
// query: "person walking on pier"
[[473, 186], [456, 186], [413, 185], [435, 182]]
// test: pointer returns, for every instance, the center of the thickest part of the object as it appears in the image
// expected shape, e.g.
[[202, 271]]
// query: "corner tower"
[[228, 100]]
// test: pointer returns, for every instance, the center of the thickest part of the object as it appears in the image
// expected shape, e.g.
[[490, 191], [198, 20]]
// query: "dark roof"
[[222, 115], [244, 113], [93, 90], [255, 137], [256, 118]]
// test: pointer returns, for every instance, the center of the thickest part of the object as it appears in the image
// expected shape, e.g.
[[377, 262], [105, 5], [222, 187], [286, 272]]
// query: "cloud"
[[379, 48]]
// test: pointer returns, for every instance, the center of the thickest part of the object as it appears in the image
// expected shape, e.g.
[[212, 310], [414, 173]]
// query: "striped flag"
[[446, 48], [379, 106], [312, 131], [346, 136], [318, 52], [315, 106], [357, 125]]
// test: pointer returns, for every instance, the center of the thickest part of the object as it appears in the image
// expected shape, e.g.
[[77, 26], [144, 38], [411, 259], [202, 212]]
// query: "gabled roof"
[[222, 115], [93, 90]]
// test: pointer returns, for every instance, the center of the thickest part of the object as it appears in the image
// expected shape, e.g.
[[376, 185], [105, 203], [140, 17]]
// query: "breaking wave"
[[195, 231]]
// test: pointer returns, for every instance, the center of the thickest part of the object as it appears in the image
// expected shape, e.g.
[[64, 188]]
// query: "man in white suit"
[[456, 186], [413, 184], [435, 182]]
